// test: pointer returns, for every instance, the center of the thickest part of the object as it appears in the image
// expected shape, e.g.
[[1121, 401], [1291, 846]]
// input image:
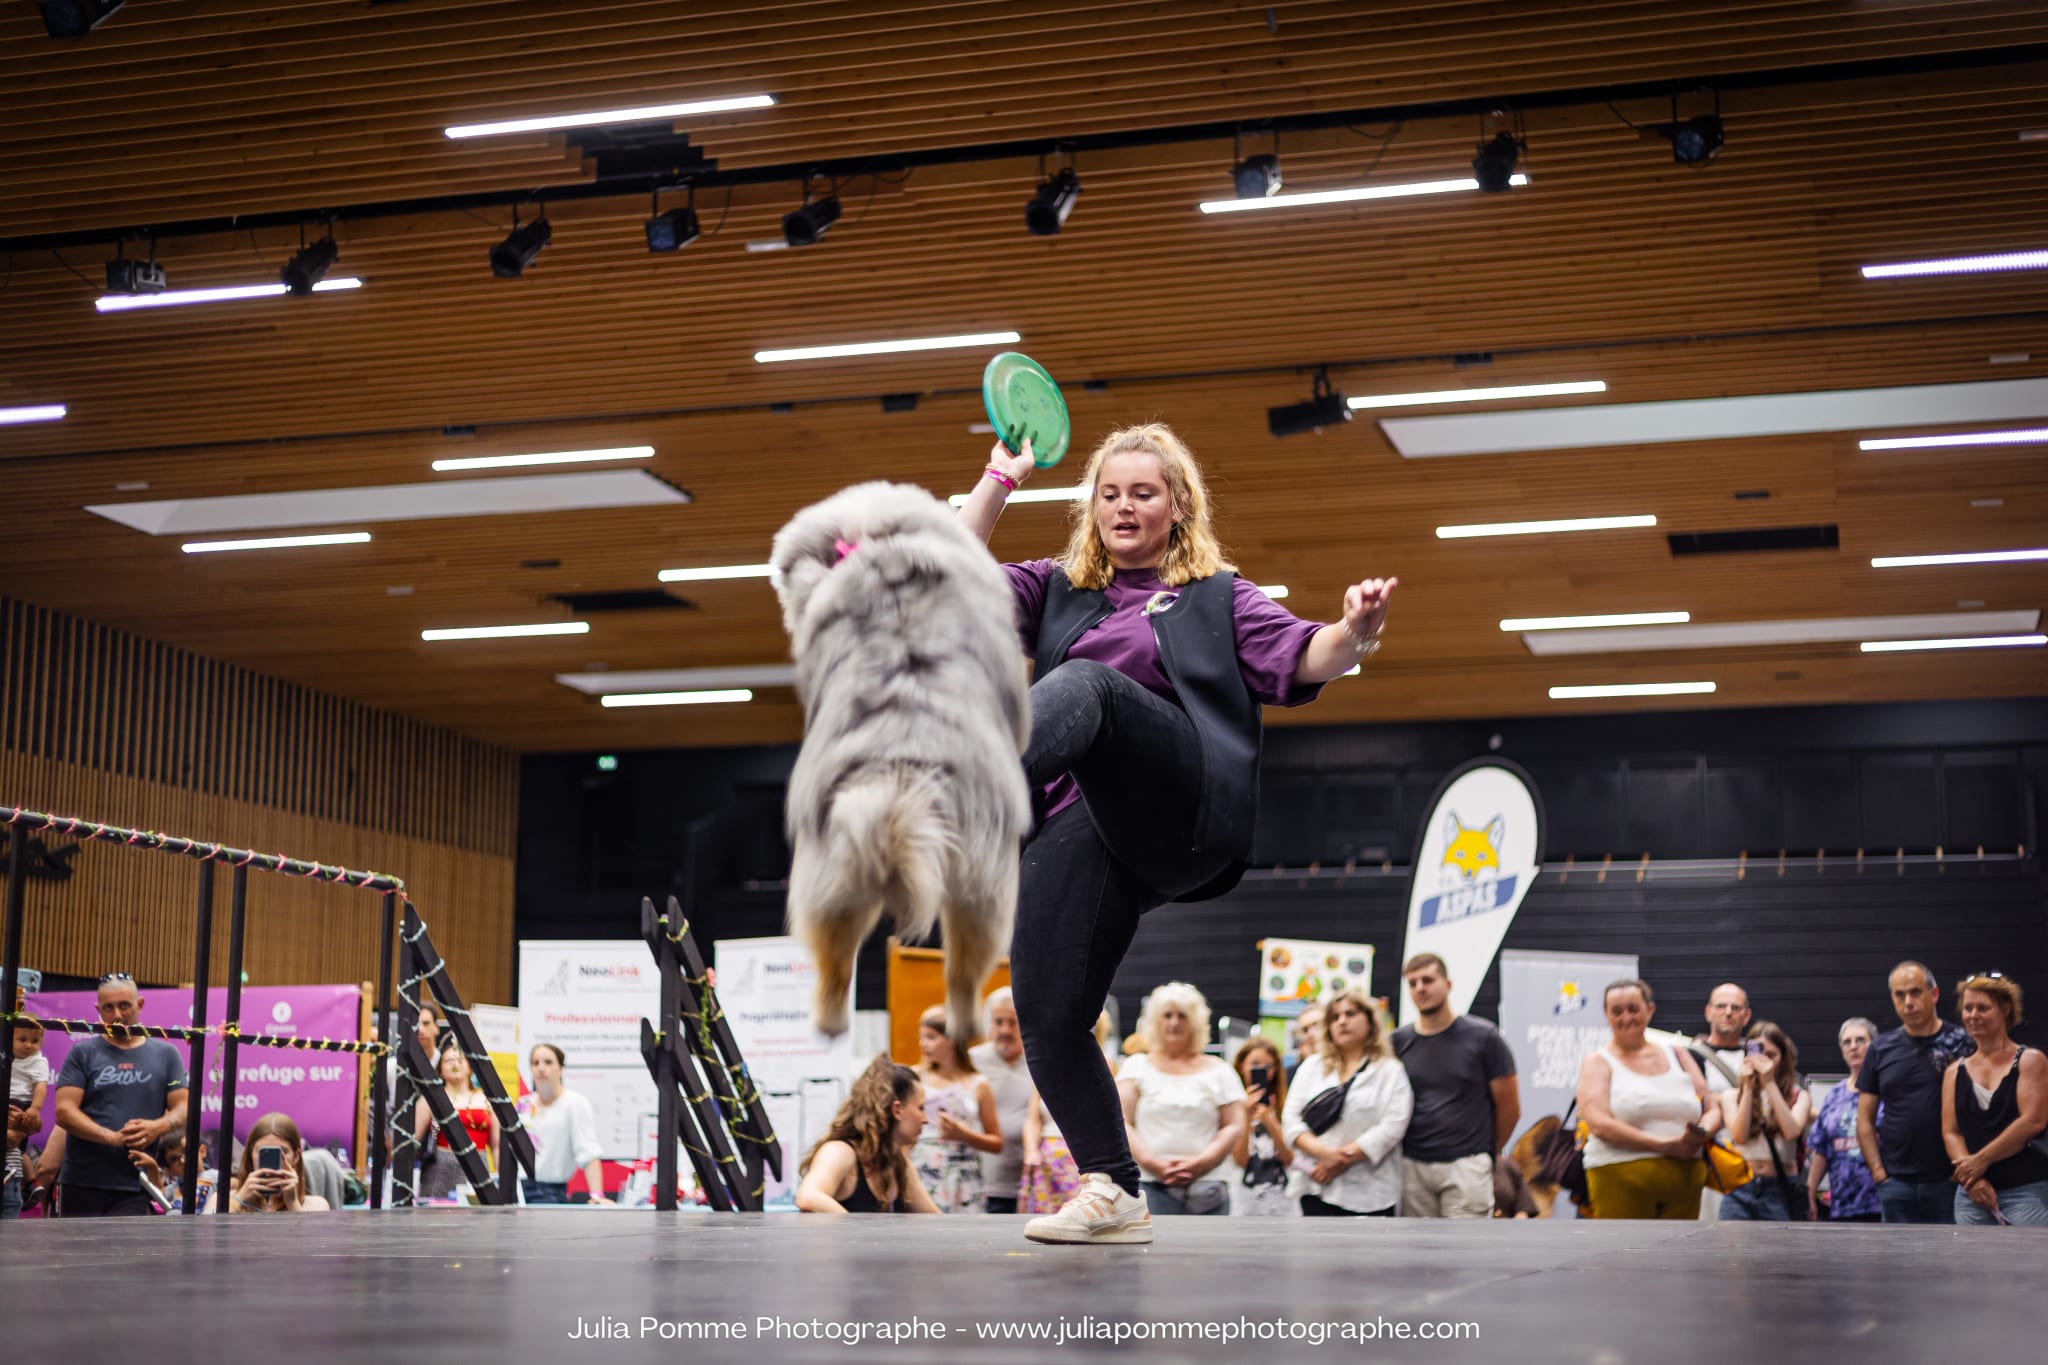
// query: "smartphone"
[[1262, 1077], [270, 1159], [1754, 1047]]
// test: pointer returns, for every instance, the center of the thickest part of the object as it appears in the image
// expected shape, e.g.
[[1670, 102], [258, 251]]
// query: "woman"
[[861, 1165], [1183, 1109], [282, 1189], [1152, 658], [1852, 1198], [440, 1172], [1050, 1177], [564, 1131], [1767, 1114], [1352, 1168], [1259, 1186], [1648, 1110], [948, 1156], [1994, 1103]]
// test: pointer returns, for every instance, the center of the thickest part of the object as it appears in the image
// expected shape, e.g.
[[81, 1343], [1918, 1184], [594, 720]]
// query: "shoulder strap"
[[1713, 1058]]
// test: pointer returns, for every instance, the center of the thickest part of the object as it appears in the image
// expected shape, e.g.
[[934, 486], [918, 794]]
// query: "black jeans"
[[1137, 759], [999, 1203], [82, 1201], [1313, 1207]]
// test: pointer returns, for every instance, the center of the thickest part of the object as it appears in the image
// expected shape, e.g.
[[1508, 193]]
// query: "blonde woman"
[[1183, 1109], [1347, 1110], [960, 1119], [1152, 658]]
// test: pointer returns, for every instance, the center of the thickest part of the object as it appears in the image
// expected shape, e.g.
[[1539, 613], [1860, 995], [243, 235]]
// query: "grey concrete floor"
[[513, 1285]]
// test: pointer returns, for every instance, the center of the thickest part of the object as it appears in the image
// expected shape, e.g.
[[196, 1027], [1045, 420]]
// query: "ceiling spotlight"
[[1051, 203], [1257, 177], [135, 277], [1326, 408], [1494, 167], [1696, 141], [304, 270], [510, 257], [76, 18], [674, 230], [804, 226]]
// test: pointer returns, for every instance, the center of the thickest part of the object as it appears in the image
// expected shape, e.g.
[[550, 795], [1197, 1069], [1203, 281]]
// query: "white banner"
[[1480, 851], [1295, 973], [765, 987], [1551, 1016], [587, 997]]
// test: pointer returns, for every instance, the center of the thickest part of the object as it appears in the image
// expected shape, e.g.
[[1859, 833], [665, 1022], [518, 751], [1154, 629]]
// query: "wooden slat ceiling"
[[1612, 264]]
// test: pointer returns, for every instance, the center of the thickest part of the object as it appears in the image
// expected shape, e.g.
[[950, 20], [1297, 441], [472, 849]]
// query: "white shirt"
[[1376, 1113], [1010, 1083], [564, 1136], [1178, 1116]]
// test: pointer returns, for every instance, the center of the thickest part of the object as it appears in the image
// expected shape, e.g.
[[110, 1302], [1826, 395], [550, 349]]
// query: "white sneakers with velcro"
[[1100, 1211]]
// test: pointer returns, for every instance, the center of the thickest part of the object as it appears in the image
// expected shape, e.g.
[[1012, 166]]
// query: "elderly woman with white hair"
[[1001, 1063], [1183, 1109]]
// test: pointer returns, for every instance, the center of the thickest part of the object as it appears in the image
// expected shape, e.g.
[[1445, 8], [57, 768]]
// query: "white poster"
[[587, 997], [764, 987], [1480, 851], [1295, 973]]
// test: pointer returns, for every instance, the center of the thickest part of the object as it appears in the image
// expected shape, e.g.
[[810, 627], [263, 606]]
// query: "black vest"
[[1197, 638]]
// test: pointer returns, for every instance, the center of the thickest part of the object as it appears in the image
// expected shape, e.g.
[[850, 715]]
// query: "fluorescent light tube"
[[1073, 493], [1978, 642], [1414, 400], [201, 547], [652, 113], [171, 298], [1960, 265], [1748, 634], [2029, 436], [553, 457], [1534, 528], [1637, 618], [715, 573], [1676, 689], [646, 680], [1276, 591], [1307, 198], [677, 698], [888, 347], [47, 412], [508, 632], [1981, 557]]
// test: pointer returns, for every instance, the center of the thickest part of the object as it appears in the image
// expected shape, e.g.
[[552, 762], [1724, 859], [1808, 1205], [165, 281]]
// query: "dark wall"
[[1811, 947]]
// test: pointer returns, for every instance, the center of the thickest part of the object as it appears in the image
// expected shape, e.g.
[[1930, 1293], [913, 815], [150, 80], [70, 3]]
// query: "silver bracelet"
[[1367, 646]]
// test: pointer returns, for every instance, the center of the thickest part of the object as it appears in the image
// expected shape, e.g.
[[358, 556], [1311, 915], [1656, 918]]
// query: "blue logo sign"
[[1463, 902]]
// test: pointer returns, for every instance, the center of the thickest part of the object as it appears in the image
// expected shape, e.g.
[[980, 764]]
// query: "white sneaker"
[[1100, 1211]]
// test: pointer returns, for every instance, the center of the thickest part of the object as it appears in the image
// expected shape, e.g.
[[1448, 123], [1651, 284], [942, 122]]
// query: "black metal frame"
[[694, 1058]]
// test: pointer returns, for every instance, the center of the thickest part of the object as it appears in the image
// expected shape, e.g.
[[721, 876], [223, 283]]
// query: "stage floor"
[[515, 1284]]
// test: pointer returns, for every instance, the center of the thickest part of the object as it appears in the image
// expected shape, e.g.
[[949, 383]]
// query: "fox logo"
[[1470, 854]]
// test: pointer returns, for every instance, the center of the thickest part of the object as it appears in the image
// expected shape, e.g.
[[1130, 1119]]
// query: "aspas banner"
[[1480, 850]]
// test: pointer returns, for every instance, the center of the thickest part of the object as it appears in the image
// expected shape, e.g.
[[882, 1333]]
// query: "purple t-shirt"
[[1270, 641]]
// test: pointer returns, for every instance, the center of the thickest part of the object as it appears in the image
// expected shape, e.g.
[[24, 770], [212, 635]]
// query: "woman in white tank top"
[[1649, 1113]]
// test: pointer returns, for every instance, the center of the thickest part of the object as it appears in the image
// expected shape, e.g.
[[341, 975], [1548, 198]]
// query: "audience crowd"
[[1938, 1121]]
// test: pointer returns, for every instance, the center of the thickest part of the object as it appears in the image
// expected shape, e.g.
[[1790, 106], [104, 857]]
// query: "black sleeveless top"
[[863, 1200], [1979, 1124]]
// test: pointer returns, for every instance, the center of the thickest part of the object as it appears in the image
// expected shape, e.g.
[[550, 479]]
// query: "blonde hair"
[[2004, 993], [1377, 1043], [1192, 550], [1174, 995]]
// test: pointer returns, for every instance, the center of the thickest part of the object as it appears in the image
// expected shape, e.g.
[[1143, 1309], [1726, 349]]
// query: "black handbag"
[[1564, 1161], [1322, 1112]]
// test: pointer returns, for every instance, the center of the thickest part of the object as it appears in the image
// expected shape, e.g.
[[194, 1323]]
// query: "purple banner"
[[318, 1089]]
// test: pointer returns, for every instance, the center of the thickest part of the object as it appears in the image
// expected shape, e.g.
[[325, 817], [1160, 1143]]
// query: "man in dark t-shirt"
[[1466, 1100], [115, 1097], [1903, 1074]]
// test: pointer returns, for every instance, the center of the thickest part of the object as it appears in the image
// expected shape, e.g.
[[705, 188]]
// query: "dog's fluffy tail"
[[884, 846]]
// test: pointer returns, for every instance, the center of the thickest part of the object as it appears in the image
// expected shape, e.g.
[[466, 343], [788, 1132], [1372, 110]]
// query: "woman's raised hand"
[[1017, 466], [1365, 606]]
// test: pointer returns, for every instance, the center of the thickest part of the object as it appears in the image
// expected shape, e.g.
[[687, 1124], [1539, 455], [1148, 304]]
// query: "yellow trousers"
[[1654, 1187]]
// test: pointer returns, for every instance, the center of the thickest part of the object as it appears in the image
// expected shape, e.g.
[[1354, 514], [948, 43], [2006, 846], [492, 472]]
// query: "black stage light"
[[76, 18], [1051, 203], [1326, 409], [510, 257], [135, 277], [304, 270], [1257, 177], [1495, 165], [672, 231], [1696, 141], [804, 226]]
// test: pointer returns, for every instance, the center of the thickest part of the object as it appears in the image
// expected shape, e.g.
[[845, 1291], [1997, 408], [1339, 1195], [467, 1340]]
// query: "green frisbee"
[[1024, 404]]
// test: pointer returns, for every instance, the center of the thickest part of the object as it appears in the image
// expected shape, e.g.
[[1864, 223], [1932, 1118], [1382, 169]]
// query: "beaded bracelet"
[[1000, 477]]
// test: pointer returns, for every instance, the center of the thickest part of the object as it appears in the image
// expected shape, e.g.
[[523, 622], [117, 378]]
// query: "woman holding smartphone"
[[1259, 1189], [273, 1174]]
